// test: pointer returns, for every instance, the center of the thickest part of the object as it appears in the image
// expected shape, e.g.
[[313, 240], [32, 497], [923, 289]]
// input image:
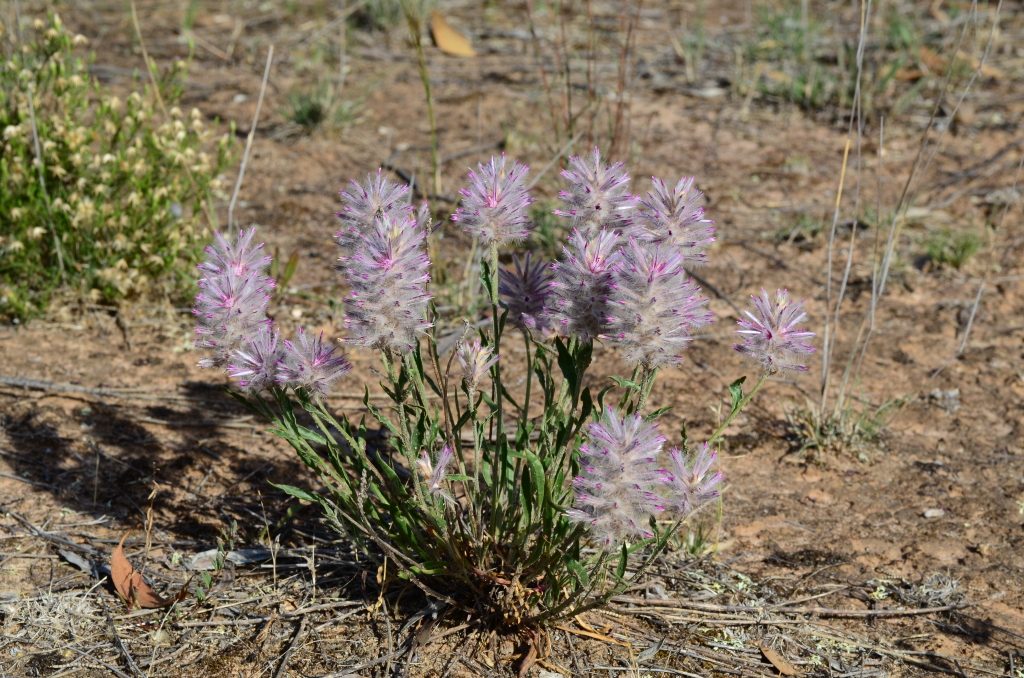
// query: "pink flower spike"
[[770, 337], [368, 202], [691, 481], [494, 207], [525, 292], [578, 304], [655, 306], [312, 365], [617, 474], [676, 218], [256, 364], [597, 196]]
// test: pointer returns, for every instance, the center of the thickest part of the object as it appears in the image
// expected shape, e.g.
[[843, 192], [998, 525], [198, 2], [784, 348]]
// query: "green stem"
[[739, 406], [645, 388], [629, 391], [498, 474], [529, 379]]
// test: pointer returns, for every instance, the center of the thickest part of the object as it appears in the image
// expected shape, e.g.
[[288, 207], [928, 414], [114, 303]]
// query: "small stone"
[[934, 513]]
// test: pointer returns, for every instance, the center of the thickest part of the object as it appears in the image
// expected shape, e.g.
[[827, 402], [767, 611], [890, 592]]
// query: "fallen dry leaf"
[[130, 584], [447, 39], [778, 661]]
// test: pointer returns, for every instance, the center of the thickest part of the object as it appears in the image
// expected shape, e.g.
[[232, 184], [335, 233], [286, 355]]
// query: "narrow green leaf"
[[625, 383], [658, 412], [620, 569], [736, 389], [297, 492], [578, 571]]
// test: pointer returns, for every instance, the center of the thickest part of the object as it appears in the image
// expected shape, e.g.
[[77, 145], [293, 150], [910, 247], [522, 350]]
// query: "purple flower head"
[[378, 197], [654, 306], [311, 365], [388, 277], [494, 207], [238, 256], [434, 474], [234, 291], [476, 360], [525, 292], [256, 363], [770, 337], [617, 474], [675, 217], [691, 481], [597, 197], [578, 303]]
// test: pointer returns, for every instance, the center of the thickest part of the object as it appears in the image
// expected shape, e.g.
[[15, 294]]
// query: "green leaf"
[[620, 570], [297, 492], [578, 571], [567, 364], [658, 412], [736, 389], [312, 435], [588, 405], [625, 383]]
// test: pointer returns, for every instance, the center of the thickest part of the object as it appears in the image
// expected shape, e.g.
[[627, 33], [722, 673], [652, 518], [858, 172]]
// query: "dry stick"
[[820, 611], [299, 633], [828, 281], [967, 88], [248, 141], [42, 185], [561, 152], [881, 273]]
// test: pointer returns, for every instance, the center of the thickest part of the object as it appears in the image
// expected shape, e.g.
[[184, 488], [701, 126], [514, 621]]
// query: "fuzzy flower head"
[[388, 276], [234, 291], [525, 292], [255, 365], [434, 473], [654, 306], [311, 365], [690, 480], [578, 303], [770, 337], [494, 207], [675, 217], [476, 360], [597, 196], [617, 474], [366, 203]]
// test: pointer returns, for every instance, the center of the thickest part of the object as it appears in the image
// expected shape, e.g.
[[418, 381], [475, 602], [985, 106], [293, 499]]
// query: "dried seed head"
[[476, 360]]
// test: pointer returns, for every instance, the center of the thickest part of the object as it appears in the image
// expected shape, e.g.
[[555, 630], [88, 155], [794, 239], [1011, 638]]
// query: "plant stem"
[[417, 38], [645, 387], [739, 406], [529, 379]]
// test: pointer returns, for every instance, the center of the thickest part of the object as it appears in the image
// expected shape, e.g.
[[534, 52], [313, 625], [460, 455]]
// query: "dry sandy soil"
[[120, 428]]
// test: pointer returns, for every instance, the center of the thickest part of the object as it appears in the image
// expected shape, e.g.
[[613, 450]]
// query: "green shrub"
[[125, 199], [949, 247]]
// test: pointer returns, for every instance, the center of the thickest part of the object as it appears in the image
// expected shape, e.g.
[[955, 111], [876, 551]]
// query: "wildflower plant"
[[519, 507], [123, 197]]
